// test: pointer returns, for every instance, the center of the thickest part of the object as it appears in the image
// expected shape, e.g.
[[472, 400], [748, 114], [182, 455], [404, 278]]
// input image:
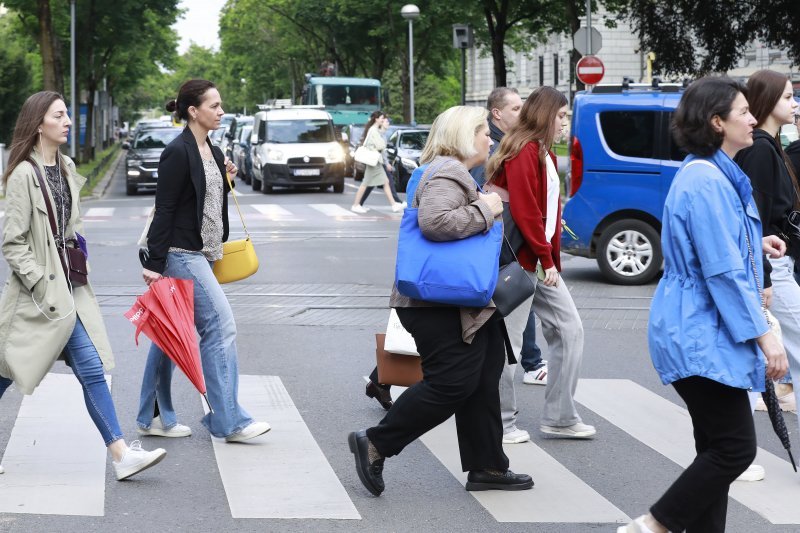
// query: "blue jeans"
[[85, 362], [213, 319], [530, 355]]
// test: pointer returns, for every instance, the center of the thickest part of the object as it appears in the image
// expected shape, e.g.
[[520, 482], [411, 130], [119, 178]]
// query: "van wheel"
[[629, 252], [266, 189], [338, 187], [255, 183]]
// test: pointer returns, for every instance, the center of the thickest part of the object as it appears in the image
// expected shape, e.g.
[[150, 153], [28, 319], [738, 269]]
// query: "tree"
[[16, 81], [37, 20]]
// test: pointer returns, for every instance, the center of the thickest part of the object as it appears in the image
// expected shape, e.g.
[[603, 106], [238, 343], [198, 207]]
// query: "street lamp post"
[[410, 12], [244, 85]]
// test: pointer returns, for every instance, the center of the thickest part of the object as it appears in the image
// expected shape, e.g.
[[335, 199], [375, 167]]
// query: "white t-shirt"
[[553, 186]]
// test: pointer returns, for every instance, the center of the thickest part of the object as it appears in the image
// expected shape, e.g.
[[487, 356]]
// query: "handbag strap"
[[233, 193]]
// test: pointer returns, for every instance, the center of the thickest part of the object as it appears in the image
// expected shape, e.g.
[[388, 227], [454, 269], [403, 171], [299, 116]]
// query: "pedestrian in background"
[[185, 238], [707, 330], [462, 349], [42, 313], [775, 191], [524, 165], [390, 175], [375, 175]]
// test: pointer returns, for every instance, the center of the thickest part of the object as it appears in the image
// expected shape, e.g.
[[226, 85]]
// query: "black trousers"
[[725, 440], [458, 378]]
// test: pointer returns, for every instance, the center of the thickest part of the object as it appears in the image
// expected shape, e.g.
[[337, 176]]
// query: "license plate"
[[306, 172]]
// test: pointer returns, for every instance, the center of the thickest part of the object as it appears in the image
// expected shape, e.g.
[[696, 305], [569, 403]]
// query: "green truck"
[[348, 100]]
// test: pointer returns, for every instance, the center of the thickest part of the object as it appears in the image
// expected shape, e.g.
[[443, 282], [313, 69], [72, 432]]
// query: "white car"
[[296, 147]]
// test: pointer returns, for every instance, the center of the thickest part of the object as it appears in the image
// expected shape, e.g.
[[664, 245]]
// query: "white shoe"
[[137, 459], [358, 209], [536, 377], [575, 431], [253, 430], [753, 473], [398, 207], [157, 430], [516, 436]]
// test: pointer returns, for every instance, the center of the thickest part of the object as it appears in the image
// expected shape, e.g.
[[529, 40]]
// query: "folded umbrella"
[[776, 417], [165, 313]]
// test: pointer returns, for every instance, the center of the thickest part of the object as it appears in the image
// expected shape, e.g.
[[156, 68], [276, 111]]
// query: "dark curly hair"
[[704, 99], [190, 94]]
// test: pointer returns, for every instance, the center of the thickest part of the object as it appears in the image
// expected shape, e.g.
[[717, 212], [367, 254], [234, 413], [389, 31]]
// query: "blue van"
[[622, 161]]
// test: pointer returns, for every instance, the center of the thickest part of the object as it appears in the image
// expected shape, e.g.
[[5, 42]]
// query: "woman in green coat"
[[375, 175], [42, 313]]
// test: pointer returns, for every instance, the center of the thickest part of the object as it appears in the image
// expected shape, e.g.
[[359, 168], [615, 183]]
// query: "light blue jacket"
[[706, 311]]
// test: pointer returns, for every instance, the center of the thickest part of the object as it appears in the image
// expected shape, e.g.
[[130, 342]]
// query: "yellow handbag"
[[239, 259]]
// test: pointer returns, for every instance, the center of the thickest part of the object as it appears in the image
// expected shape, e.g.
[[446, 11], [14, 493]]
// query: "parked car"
[[296, 147], [141, 161], [404, 148], [241, 153], [233, 131], [623, 159]]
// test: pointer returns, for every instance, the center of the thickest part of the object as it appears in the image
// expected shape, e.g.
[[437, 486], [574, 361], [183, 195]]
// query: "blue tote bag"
[[462, 272]]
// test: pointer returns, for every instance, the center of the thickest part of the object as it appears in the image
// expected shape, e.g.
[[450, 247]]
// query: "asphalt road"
[[308, 317]]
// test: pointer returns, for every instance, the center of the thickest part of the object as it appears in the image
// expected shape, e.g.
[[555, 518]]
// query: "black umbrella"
[[776, 417]]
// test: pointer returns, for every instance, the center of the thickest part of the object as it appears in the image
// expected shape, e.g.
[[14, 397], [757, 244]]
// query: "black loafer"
[[482, 480], [371, 475], [380, 393]]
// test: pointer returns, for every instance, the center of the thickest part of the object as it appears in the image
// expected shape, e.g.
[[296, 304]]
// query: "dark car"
[[141, 162], [355, 142], [404, 148], [234, 130], [241, 153]]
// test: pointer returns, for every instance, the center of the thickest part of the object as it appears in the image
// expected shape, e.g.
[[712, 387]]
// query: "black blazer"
[[180, 196]]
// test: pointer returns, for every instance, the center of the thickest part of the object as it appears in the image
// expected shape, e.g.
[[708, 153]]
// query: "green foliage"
[[16, 81]]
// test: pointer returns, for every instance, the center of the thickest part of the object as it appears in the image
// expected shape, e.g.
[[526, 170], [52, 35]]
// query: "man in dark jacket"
[[504, 105]]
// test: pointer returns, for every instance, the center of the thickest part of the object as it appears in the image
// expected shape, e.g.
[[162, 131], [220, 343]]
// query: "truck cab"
[[348, 100]]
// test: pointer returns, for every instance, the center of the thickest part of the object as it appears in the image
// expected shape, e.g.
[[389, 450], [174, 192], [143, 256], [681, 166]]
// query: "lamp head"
[[410, 12]]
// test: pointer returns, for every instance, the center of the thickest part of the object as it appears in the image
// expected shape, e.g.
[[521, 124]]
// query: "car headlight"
[[335, 154], [408, 164], [133, 162], [274, 155]]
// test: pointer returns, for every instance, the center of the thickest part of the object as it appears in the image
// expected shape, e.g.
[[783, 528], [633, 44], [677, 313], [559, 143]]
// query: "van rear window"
[[630, 133]]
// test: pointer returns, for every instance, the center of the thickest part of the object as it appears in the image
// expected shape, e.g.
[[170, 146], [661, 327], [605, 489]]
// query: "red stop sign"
[[590, 70]]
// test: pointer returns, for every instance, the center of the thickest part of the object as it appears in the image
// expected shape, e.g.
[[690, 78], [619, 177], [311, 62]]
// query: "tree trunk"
[[496, 22], [91, 87], [574, 56], [52, 76]]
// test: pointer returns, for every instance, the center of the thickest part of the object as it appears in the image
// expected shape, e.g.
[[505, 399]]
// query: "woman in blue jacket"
[[708, 335]]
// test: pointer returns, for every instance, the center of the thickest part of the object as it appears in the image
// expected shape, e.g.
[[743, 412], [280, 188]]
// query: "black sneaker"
[[483, 480]]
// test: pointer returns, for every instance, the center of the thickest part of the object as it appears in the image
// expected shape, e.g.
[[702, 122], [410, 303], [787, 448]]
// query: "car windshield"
[[155, 138], [299, 131], [355, 136], [347, 96], [413, 140], [245, 135]]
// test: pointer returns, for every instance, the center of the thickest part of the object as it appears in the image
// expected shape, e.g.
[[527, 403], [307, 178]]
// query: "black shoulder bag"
[[73, 260]]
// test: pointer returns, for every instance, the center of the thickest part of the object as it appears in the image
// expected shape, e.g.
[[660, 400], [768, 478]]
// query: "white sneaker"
[[753, 473], [398, 207], [358, 209], [253, 430], [137, 459], [157, 430], [516, 436], [575, 431], [536, 377]]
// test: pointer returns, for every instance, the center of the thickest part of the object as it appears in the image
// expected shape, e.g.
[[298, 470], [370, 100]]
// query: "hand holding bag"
[[239, 259], [365, 156]]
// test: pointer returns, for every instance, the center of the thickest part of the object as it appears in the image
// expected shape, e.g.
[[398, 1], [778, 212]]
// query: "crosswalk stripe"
[[63, 473], [333, 210], [99, 212], [273, 211], [667, 429], [558, 495], [283, 474]]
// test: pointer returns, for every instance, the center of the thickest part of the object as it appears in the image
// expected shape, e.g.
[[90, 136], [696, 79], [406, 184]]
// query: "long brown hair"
[[535, 124], [372, 118], [764, 89], [26, 131]]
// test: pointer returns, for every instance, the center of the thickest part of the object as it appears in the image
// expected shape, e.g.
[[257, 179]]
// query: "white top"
[[553, 186]]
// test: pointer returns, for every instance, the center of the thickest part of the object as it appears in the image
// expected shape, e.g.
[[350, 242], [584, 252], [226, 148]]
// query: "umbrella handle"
[[212, 412]]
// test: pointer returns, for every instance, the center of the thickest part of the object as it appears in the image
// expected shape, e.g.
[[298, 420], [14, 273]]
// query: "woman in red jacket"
[[524, 166]]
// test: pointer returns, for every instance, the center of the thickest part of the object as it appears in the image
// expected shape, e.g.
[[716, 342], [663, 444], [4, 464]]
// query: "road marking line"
[[334, 210], [274, 212], [55, 460], [95, 212], [558, 495], [667, 429], [282, 474]]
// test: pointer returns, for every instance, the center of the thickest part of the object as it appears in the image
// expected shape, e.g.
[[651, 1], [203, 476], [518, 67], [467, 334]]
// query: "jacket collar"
[[732, 171], [495, 133]]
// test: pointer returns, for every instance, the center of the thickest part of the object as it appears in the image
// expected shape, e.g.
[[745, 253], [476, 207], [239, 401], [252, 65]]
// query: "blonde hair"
[[453, 133]]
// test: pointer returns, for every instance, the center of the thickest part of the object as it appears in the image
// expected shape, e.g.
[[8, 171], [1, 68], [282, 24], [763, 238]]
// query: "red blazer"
[[525, 179]]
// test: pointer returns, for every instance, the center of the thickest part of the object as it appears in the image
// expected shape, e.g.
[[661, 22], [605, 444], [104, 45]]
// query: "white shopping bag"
[[398, 340]]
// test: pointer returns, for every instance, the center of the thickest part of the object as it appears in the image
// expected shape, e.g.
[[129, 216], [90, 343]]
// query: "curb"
[[108, 177]]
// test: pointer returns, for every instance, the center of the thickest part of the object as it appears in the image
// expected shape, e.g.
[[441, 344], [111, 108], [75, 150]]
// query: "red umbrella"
[[165, 313]]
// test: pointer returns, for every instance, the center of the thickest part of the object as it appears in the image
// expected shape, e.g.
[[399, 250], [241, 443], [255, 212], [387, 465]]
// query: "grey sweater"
[[449, 209]]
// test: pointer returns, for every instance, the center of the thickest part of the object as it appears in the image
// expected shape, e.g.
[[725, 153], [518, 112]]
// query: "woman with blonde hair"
[[524, 166], [462, 349], [43, 312]]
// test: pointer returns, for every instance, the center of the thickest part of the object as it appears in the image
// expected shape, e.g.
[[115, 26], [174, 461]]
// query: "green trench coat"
[[31, 338]]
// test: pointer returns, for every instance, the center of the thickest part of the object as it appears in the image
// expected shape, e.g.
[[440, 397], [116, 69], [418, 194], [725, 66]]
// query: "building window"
[[555, 70], [541, 71]]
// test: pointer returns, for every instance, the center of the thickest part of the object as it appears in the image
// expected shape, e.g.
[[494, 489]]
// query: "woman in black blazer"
[[185, 238]]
